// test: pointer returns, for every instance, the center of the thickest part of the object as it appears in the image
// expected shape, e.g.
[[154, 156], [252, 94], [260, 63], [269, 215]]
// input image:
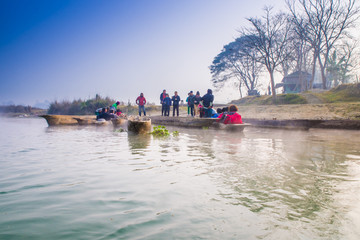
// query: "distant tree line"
[[80, 107], [313, 36], [17, 109]]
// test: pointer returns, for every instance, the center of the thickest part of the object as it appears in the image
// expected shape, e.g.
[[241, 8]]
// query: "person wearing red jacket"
[[233, 117], [141, 101]]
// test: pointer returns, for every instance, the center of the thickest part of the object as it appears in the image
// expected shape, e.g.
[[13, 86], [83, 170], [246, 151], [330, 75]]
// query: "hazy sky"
[[60, 49]]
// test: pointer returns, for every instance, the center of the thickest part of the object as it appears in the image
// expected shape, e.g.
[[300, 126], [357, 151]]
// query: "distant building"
[[295, 82]]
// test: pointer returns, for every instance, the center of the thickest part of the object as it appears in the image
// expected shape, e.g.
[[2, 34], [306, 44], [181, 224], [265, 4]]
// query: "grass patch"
[[342, 93], [281, 99]]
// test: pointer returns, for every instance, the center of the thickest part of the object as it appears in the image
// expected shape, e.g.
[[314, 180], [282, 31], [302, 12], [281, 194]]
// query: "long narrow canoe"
[[139, 125], [85, 121], [117, 122], [234, 127], [184, 121], [55, 120]]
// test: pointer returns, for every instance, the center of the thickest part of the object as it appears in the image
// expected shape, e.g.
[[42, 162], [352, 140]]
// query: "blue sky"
[[65, 50]]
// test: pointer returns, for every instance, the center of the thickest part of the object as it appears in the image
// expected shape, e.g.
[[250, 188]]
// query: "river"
[[97, 183]]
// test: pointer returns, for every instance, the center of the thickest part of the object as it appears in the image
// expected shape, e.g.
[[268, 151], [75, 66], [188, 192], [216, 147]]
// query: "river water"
[[95, 183]]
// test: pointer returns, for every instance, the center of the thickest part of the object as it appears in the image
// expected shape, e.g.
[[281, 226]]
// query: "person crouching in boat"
[[233, 117], [222, 115], [105, 115]]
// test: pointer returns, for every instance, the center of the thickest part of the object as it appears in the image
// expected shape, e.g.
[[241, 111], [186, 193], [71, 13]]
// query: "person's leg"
[[142, 108], [177, 110], [174, 107], [192, 110], [188, 109], [139, 110]]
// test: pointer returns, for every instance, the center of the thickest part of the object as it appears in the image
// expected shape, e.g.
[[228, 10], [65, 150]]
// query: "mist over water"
[[94, 183]]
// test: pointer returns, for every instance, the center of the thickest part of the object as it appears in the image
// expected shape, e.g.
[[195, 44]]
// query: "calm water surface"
[[94, 183]]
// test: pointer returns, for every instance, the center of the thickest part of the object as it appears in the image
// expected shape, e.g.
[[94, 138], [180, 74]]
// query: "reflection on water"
[[91, 182], [138, 142]]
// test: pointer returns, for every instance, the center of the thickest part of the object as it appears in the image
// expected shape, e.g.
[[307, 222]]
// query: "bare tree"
[[269, 36], [323, 23], [342, 63]]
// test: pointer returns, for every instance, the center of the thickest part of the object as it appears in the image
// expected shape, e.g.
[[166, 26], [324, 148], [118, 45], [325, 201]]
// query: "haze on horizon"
[[70, 49]]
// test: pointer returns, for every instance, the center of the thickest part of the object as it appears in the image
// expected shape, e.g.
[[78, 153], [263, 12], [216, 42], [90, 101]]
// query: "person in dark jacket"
[[162, 97], [191, 103], [207, 102], [105, 115], [175, 102], [167, 103]]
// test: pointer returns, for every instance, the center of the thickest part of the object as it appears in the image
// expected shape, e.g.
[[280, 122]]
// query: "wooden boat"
[[117, 122], [55, 120], [234, 127], [85, 121], [301, 124], [102, 122], [184, 121], [139, 125]]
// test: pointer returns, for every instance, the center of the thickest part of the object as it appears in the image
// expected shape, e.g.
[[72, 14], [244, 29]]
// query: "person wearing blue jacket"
[[167, 104]]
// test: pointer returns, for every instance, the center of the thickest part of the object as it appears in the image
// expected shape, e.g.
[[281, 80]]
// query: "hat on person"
[[191, 91]]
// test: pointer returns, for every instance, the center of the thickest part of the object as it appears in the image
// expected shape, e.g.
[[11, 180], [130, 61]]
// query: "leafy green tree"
[[237, 62]]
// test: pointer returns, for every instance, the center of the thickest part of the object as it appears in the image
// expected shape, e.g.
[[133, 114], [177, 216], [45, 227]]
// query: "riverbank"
[[326, 111]]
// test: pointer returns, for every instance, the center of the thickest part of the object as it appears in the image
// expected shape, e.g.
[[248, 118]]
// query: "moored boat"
[[55, 120], [184, 121], [117, 122], [234, 127], [85, 121], [139, 125]]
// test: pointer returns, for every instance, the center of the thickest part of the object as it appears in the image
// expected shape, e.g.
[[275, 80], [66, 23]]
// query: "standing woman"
[[141, 101], [163, 106], [196, 103]]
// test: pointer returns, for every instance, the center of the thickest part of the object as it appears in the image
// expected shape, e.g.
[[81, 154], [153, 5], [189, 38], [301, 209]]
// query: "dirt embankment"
[[329, 111], [340, 103]]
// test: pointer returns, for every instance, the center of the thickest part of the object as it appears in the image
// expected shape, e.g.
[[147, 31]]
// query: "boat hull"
[[184, 121], [56, 120], [139, 126]]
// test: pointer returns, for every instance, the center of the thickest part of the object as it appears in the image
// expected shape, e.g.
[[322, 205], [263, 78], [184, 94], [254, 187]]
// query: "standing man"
[[167, 104], [163, 105], [207, 103], [141, 101], [176, 100], [191, 103]]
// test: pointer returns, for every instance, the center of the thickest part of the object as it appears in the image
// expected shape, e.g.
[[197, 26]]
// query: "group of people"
[[197, 105], [108, 113], [228, 115]]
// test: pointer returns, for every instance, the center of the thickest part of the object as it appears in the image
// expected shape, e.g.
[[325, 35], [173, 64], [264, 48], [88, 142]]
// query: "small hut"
[[296, 82]]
